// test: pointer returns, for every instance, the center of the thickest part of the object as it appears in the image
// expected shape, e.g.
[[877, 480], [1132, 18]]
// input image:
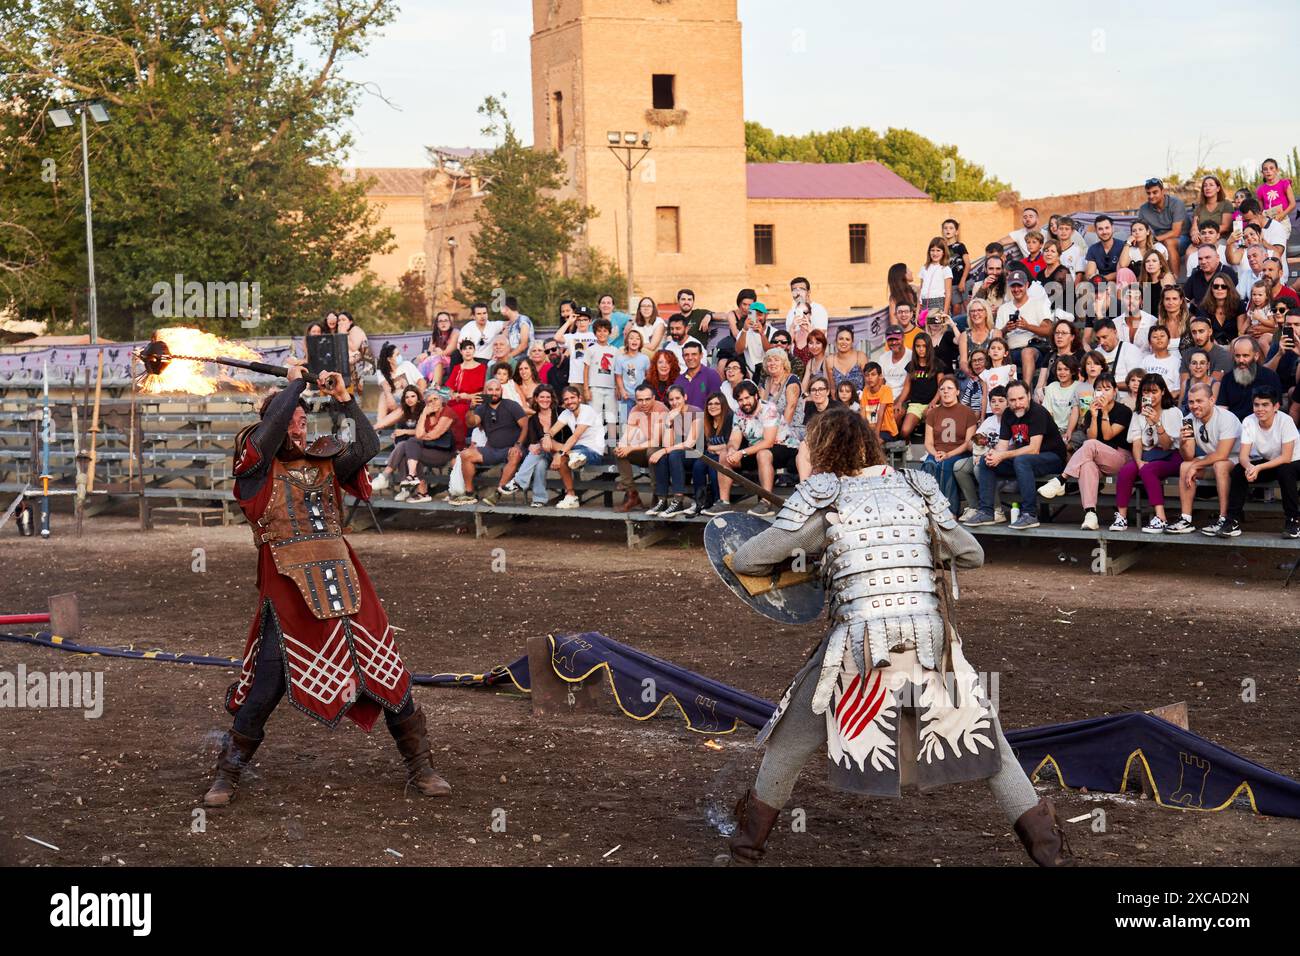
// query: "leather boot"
[[631, 502], [236, 752], [412, 739], [754, 822], [1041, 833]]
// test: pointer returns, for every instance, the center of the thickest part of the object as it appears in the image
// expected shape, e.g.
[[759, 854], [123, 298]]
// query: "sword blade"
[[744, 482]]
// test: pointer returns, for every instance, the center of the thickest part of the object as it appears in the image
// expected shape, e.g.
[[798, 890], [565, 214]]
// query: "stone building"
[[701, 216]]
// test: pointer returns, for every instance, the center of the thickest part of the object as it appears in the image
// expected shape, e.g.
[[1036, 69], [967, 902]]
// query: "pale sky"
[[1062, 98]]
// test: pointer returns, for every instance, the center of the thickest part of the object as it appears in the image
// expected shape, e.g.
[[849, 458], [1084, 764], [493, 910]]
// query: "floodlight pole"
[[629, 164], [90, 232]]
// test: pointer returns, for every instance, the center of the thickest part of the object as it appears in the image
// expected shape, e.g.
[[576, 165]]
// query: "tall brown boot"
[[236, 751], [412, 738], [631, 502], [1041, 833], [754, 822]]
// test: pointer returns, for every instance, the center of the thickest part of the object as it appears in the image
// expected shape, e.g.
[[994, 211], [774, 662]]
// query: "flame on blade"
[[197, 378]]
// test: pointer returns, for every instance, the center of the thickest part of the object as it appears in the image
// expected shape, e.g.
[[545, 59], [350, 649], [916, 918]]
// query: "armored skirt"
[[900, 702]]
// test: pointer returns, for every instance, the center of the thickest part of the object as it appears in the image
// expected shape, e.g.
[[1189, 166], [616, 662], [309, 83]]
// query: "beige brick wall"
[[405, 216], [811, 238]]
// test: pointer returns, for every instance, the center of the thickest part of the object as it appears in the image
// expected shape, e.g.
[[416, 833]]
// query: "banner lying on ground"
[[1183, 771]]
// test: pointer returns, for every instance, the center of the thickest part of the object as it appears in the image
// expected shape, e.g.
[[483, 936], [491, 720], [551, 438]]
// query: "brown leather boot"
[[236, 752], [754, 822], [631, 502], [412, 739], [1041, 833]]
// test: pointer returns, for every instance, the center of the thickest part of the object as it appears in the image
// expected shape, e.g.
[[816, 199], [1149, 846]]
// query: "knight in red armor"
[[319, 635]]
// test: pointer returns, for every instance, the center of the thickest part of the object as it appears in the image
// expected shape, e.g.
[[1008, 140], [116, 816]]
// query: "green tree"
[[525, 229], [220, 161], [938, 170]]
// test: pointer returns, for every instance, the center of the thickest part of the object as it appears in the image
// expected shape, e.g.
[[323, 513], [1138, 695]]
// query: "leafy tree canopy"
[[219, 164], [938, 170]]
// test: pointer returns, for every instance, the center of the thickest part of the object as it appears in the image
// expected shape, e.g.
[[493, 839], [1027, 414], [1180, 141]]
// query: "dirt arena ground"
[[596, 789]]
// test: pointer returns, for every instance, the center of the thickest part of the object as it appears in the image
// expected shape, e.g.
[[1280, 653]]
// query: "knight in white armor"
[[888, 694]]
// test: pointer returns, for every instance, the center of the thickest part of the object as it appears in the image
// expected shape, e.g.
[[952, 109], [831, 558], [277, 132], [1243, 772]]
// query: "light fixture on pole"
[[62, 119], [624, 145]]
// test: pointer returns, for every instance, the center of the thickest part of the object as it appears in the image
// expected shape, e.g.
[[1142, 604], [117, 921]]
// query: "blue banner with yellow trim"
[[1114, 754]]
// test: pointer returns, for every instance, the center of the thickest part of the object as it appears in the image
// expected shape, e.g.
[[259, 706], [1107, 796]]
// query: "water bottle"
[[1015, 511]]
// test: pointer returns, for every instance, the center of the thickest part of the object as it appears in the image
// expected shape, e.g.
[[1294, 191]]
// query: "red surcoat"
[[315, 598]]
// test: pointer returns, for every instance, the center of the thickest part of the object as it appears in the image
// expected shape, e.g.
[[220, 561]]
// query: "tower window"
[[858, 252], [668, 236], [558, 116], [764, 245], [662, 85]]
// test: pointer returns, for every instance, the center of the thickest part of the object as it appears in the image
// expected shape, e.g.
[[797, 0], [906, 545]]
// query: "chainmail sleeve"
[[800, 526], [764, 551]]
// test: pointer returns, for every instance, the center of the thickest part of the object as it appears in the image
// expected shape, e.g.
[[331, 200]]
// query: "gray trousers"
[[964, 473], [802, 734]]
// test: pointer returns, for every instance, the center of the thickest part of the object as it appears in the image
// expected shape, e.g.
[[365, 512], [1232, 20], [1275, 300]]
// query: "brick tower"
[[673, 68]]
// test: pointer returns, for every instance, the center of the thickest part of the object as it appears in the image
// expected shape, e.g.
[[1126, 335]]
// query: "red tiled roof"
[[392, 180], [827, 181]]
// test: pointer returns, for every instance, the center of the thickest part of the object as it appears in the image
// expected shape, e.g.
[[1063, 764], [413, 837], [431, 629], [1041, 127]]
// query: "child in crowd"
[[1001, 370], [630, 369], [877, 402], [1034, 262], [1132, 385], [846, 395], [1061, 398], [986, 436], [598, 374], [504, 374]]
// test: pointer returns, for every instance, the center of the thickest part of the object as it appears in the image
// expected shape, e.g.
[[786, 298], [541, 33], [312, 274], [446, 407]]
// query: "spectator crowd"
[[1148, 348]]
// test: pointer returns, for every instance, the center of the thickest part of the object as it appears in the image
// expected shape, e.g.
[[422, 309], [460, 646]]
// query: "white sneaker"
[[1090, 521], [999, 516], [569, 502], [380, 482], [1154, 526], [1052, 489], [968, 514], [537, 504], [419, 499], [402, 494], [576, 460], [461, 500], [1119, 523], [510, 488]]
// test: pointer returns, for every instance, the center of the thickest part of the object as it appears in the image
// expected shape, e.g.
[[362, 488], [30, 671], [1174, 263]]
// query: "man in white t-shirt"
[[1021, 319], [576, 335], [1028, 219], [1121, 357], [801, 293], [1210, 440], [893, 364], [585, 446], [1270, 451], [480, 331]]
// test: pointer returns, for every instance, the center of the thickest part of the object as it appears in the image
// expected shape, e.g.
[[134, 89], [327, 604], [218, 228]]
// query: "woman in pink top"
[[1276, 194]]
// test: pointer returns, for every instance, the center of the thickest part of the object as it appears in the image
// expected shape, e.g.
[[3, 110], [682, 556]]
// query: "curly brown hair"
[[842, 443]]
